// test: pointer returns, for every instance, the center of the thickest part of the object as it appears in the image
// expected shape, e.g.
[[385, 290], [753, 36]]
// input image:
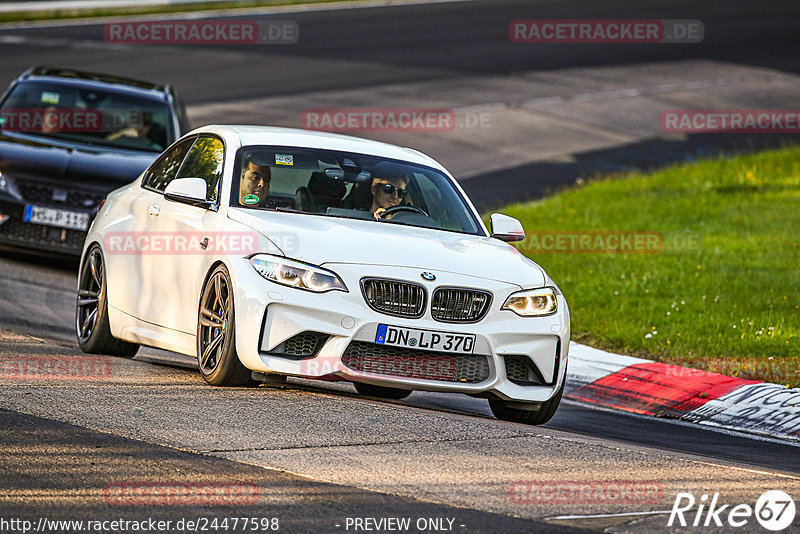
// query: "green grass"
[[731, 305], [56, 14]]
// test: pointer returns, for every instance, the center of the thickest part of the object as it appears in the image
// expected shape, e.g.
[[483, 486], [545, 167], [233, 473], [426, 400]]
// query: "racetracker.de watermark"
[[387, 120], [73, 120], [586, 492], [51, 120], [134, 493], [610, 242], [55, 368], [180, 243], [731, 120], [202, 32], [540, 31]]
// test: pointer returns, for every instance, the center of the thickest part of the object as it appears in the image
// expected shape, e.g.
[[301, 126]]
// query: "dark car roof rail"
[[27, 73], [42, 70]]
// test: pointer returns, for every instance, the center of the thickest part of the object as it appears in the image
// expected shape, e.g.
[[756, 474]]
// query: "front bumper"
[[268, 314]]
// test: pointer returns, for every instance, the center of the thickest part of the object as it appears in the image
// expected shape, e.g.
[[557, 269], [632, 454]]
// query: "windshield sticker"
[[50, 98], [250, 199], [284, 159]]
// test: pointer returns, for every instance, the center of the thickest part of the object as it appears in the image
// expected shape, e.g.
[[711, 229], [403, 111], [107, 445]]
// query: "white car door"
[[129, 265], [178, 260]]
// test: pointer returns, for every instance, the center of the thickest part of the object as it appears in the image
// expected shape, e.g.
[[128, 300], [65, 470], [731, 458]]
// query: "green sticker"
[[250, 199]]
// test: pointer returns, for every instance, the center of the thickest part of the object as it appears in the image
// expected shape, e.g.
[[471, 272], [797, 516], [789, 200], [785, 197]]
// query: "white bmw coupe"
[[271, 252]]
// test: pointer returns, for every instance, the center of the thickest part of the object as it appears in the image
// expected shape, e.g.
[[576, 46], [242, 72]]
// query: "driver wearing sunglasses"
[[387, 193]]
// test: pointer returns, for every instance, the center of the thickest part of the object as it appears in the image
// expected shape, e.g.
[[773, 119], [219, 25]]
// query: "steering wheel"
[[397, 209]]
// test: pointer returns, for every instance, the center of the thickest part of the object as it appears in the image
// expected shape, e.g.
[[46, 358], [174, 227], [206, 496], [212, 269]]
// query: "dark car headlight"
[[7, 186]]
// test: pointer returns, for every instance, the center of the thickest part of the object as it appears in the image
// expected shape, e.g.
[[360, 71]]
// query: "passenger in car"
[[387, 192], [255, 180], [142, 126]]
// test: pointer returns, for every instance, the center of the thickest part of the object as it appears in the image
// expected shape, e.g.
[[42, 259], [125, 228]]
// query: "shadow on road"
[[53, 260]]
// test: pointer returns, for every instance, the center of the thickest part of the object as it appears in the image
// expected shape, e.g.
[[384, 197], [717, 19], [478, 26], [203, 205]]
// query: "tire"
[[91, 310], [382, 392], [217, 360], [529, 417]]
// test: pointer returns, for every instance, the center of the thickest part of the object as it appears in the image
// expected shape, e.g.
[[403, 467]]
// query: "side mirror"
[[506, 228], [190, 191]]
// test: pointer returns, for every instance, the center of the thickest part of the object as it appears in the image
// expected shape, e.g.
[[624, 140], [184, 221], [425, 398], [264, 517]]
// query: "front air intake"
[[416, 364], [300, 346]]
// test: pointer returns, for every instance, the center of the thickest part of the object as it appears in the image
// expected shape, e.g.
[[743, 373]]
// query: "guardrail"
[[46, 5]]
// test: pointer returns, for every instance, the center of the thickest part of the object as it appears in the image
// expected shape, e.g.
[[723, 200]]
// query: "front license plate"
[[73, 220], [425, 339]]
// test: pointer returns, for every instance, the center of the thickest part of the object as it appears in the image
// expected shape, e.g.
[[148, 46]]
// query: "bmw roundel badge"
[[428, 276]]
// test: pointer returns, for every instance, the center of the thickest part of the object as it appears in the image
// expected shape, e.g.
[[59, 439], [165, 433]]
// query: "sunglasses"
[[389, 189]]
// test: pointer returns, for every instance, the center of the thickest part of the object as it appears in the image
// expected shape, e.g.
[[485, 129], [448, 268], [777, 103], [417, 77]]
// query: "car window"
[[88, 116], [165, 168], [205, 160], [353, 186]]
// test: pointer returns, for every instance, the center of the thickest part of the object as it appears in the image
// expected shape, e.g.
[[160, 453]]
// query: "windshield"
[[88, 116], [353, 186]]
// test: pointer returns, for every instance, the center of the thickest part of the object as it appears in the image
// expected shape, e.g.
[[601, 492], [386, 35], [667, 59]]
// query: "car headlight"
[[532, 302], [7, 186], [296, 274]]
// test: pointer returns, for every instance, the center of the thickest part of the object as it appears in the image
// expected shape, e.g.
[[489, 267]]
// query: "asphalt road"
[[330, 454], [378, 45], [317, 452], [93, 462], [441, 51], [452, 45]]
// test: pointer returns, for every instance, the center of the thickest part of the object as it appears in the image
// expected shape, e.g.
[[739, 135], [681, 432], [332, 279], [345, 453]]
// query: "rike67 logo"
[[774, 510]]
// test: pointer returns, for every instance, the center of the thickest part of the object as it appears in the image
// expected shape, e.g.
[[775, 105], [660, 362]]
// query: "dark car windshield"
[[87, 115], [353, 186]]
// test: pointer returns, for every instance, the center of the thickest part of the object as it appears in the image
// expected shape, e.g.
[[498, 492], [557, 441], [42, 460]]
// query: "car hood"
[[327, 240], [58, 160]]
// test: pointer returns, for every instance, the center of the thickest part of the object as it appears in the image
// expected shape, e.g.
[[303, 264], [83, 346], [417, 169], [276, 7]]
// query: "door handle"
[[153, 210]]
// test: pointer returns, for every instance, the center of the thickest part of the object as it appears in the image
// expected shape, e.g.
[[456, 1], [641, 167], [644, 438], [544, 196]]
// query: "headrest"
[[323, 185]]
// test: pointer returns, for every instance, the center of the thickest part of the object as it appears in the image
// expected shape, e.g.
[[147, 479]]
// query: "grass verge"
[[724, 293], [58, 14]]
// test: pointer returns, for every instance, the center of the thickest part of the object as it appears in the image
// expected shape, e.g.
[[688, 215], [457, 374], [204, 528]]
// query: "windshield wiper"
[[289, 210]]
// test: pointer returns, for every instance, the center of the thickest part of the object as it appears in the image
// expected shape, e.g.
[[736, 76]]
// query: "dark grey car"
[[67, 138]]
